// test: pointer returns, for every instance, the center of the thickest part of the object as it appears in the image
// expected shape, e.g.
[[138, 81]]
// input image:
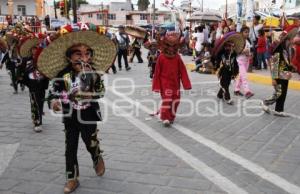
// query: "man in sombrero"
[[33, 79], [281, 70], [225, 54], [11, 59], [74, 61]]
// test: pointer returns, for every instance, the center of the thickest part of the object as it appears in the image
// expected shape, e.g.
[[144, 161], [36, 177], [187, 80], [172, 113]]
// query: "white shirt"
[[199, 41], [78, 104], [254, 32]]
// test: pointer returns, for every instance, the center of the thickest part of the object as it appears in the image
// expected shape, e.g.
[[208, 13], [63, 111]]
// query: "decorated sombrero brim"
[[135, 31], [11, 37], [234, 37], [3, 44], [26, 45], [289, 33], [53, 58]]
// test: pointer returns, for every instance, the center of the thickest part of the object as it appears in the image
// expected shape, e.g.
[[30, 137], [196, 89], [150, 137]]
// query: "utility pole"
[[190, 15], [74, 5], [55, 12], [202, 5], [226, 10], [102, 13], [153, 21]]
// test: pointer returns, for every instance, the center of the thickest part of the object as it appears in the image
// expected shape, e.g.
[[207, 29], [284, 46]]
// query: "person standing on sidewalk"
[[169, 72], [77, 86], [296, 54], [256, 26], [122, 40], [261, 49], [243, 62], [281, 68]]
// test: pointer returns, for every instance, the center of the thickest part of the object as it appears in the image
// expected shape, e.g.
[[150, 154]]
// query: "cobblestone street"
[[212, 148]]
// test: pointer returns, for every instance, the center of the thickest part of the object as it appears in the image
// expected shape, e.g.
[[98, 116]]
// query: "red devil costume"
[[169, 71]]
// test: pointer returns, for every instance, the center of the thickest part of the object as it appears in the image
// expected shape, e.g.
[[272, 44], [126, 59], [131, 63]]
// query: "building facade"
[[22, 7], [119, 13]]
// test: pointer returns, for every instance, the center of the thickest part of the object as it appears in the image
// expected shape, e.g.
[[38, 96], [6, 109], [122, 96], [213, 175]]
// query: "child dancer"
[[169, 71]]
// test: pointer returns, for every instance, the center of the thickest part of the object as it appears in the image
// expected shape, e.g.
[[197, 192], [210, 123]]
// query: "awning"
[[205, 17]]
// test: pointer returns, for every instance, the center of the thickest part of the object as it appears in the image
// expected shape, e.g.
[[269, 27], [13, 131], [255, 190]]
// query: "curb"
[[260, 79]]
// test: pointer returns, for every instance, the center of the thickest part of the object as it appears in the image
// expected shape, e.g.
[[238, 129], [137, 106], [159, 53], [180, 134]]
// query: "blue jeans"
[[261, 59]]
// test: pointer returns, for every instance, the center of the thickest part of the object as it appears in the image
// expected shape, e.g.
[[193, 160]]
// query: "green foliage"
[[143, 5]]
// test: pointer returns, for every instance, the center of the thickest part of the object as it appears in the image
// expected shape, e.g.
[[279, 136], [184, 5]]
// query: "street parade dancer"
[[11, 58], [33, 79], [136, 50], [152, 55], [169, 72], [74, 61], [225, 54], [243, 62], [3, 50], [281, 70]]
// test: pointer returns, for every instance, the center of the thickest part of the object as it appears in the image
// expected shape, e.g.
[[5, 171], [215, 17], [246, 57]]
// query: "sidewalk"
[[258, 76]]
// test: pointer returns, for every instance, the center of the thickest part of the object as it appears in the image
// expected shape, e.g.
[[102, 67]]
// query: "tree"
[[79, 2], [143, 5]]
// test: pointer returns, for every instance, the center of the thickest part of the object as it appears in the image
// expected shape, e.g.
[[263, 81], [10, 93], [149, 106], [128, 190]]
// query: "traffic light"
[[62, 7]]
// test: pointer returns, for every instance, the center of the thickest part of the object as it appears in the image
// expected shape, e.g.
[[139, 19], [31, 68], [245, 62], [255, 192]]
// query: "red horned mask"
[[170, 43]]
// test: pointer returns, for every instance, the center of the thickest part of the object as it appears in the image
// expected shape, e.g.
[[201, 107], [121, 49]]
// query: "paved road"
[[211, 149]]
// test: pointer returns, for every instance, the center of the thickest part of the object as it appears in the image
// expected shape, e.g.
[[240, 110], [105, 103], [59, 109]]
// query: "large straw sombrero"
[[11, 38], [135, 31], [3, 44], [26, 44], [234, 37], [53, 58], [288, 33]]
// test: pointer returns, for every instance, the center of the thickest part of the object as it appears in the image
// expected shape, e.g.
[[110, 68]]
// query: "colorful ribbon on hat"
[[83, 27]]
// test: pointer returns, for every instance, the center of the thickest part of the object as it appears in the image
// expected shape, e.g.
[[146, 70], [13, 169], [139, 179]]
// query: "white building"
[[22, 7], [119, 13], [290, 3]]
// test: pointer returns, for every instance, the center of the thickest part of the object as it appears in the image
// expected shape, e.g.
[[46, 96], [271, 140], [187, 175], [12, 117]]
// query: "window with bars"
[[99, 16], [143, 17], [21, 10], [111, 16]]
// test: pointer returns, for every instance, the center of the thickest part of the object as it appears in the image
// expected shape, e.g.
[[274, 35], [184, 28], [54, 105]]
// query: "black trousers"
[[113, 67], [279, 95], [13, 75], [37, 99], [225, 79], [137, 53], [122, 53], [89, 136]]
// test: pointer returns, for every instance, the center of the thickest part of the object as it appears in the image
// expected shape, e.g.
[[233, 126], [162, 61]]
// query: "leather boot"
[[71, 186], [100, 167]]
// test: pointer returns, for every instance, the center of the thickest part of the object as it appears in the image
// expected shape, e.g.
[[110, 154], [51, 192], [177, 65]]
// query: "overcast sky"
[[213, 4]]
